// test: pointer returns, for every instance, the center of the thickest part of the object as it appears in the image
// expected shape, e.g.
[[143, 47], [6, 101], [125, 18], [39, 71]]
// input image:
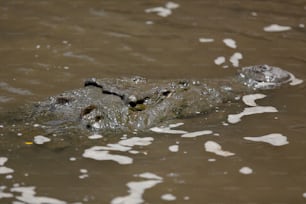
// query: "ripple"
[[5, 86]]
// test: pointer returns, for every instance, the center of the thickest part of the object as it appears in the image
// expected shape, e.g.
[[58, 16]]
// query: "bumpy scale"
[[138, 103]]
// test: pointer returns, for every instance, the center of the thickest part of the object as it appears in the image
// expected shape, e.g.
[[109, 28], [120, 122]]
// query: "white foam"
[[246, 170], [168, 129], [136, 141], [251, 98], [301, 25], [41, 139], [225, 66], [235, 118], [197, 133], [160, 11], [219, 60], [213, 147], [172, 5], [113, 147], [168, 197], [276, 28], [304, 195], [234, 59], [3, 160], [230, 43], [72, 159], [148, 175], [295, 81], [149, 22], [97, 154], [173, 148], [95, 136], [28, 196], [174, 125], [3, 194], [83, 171], [83, 176], [134, 152], [186, 197], [275, 139], [103, 152], [206, 40], [6, 170], [137, 189], [163, 11]]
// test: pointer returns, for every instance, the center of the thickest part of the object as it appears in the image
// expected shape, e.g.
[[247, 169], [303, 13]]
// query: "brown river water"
[[47, 47]]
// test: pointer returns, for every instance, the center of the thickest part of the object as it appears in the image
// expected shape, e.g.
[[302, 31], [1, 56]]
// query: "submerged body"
[[137, 103]]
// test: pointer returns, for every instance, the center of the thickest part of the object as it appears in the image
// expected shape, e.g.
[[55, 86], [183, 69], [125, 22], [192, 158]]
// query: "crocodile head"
[[265, 76]]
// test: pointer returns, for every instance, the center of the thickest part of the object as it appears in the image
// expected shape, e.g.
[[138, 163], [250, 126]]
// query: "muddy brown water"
[[47, 47]]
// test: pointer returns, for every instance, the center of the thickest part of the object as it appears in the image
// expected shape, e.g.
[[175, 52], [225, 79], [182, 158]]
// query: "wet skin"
[[136, 103]]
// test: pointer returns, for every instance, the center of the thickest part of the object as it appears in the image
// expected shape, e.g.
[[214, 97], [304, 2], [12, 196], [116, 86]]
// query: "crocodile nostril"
[[98, 118], [63, 100], [92, 82], [264, 67]]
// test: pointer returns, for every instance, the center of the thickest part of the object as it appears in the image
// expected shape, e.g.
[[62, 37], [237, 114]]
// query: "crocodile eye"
[[132, 104], [87, 110], [166, 93]]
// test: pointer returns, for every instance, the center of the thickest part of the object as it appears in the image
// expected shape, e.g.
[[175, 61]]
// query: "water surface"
[[47, 47]]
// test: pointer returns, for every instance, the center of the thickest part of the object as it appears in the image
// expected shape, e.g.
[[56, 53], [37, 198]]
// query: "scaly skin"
[[136, 103]]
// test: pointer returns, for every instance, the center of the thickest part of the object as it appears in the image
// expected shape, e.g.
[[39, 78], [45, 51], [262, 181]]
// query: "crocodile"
[[137, 103]]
